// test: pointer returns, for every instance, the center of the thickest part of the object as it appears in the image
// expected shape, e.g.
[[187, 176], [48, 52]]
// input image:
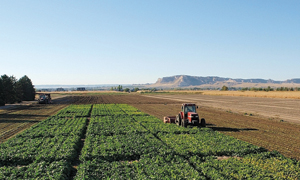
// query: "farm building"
[[60, 89], [81, 89]]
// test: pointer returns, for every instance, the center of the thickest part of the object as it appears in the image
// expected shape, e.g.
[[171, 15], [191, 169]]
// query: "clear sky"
[[126, 42]]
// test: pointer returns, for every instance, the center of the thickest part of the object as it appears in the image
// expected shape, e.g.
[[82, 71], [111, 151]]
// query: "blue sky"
[[126, 42]]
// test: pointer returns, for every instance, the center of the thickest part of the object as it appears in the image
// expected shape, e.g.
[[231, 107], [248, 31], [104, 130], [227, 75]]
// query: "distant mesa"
[[214, 81], [293, 81]]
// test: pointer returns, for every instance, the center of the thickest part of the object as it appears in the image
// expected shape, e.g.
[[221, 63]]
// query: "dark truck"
[[44, 99]]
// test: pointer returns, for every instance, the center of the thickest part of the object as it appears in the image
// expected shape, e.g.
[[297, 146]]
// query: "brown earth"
[[258, 130], [108, 99], [273, 108]]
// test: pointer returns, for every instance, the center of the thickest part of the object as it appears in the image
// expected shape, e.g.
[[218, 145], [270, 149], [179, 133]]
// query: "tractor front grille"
[[194, 117]]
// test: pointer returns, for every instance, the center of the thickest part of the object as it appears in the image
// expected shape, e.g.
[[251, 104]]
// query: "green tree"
[[120, 88], [252, 89], [19, 91], [224, 88], [25, 88], [126, 89], [9, 89], [136, 89], [269, 89], [286, 89], [2, 102]]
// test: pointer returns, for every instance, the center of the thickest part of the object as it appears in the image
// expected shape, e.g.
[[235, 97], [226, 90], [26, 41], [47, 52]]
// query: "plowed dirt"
[[275, 108]]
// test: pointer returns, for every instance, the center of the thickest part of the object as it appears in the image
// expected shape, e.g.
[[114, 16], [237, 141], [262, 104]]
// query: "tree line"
[[120, 88], [13, 90]]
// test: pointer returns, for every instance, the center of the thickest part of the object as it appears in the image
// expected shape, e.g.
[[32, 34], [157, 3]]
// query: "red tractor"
[[188, 116]]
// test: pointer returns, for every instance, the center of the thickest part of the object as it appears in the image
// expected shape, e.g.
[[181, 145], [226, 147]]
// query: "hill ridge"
[[187, 80]]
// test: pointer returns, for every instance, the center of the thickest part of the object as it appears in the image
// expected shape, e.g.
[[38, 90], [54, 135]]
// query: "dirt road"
[[274, 108]]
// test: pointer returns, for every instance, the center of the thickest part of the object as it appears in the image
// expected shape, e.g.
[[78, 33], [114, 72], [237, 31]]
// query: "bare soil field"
[[258, 130], [108, 99], [273, 108]]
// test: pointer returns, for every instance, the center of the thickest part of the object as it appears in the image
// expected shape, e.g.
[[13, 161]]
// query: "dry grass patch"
[[264, 94]]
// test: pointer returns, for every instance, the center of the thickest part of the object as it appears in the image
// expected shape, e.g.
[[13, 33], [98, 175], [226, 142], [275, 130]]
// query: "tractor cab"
[[186, 108]]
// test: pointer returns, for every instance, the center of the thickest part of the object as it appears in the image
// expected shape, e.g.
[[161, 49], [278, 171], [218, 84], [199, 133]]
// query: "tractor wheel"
[[203, 124], [178, 120], [184, 123]]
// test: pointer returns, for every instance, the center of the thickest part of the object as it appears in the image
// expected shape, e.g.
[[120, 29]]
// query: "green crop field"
[[121, 142]]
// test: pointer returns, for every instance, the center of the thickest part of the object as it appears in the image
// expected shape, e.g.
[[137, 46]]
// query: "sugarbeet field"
[[117, 141]]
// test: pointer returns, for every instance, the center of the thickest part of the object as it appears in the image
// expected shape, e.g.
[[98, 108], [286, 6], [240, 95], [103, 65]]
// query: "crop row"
[[208, 143], [45, 151], [113, 125], [106, 110], [75, 111], [265, 165], [37, 170], [114, 110], [131, 110]]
